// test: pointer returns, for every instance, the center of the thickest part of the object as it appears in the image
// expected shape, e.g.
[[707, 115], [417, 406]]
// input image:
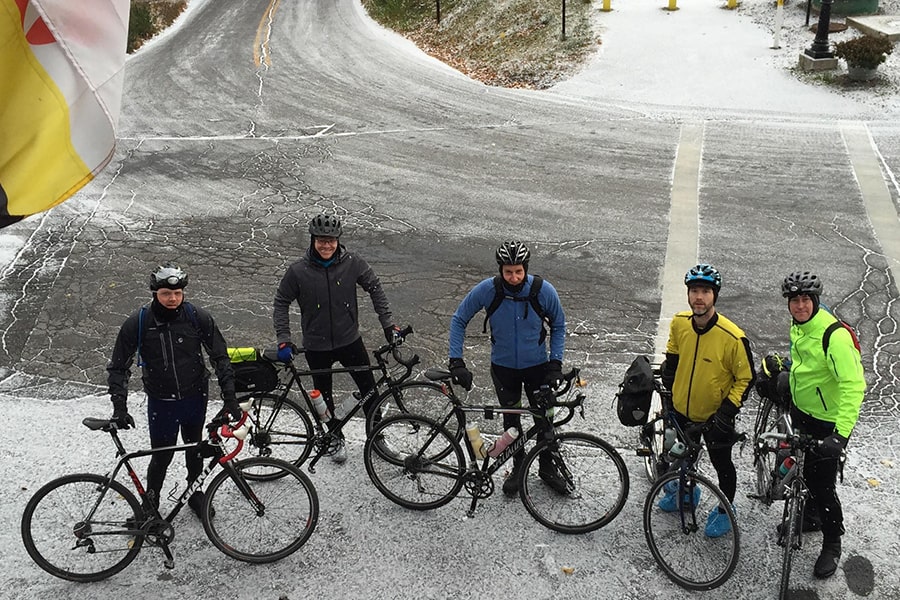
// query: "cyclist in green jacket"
[[827, 391], [709, 368]]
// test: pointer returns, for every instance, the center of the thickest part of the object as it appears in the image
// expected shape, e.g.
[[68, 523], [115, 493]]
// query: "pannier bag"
[[250, 373], [635, 393]]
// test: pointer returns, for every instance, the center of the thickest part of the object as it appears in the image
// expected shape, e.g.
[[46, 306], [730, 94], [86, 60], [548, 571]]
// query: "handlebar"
[[800, 441]]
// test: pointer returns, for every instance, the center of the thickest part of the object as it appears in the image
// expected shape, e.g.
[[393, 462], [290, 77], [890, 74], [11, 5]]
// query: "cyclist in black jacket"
[[168, 336]]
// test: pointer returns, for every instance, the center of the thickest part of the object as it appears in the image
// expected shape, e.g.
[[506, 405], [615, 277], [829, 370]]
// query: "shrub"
[[140, 26], [866, 52]]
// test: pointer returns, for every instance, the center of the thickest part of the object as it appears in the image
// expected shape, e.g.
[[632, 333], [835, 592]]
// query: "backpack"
[[500, 295], [635, 393], [192, 317], [834, 327]]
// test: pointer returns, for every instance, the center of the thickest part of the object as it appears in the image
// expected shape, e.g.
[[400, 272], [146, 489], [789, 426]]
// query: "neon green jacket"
[[829, 388], [714, 365]]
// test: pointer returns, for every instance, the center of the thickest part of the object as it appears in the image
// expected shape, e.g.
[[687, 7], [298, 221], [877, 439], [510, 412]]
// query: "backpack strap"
[[143, 311], [827, 336], [500, 295]]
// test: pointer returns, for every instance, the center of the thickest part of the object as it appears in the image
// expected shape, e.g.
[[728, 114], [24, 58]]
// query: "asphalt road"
[[253, 116]]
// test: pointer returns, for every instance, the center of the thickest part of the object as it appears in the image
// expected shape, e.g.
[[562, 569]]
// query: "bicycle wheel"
[[790, 535], [429, 468], [281, 429], [74, 533], [677, 539], [764, 460], [423, 398], [594, 473], [278, 520], [651, 437]]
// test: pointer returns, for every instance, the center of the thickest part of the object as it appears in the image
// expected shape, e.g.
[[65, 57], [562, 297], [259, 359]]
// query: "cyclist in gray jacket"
[[323, 283]]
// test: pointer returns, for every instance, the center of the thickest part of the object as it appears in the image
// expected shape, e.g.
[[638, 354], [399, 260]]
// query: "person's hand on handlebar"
[[231, 409], [286, 352], [392, 334], [553, 374]]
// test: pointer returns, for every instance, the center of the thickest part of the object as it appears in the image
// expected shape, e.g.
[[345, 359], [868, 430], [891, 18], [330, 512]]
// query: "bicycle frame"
[[324, 435], [211, 448]]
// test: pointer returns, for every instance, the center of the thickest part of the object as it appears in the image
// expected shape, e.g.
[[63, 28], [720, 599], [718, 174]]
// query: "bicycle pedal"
[[643, 452]]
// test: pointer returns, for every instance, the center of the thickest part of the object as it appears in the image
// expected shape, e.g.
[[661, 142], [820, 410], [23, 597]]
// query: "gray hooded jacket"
[[329, 312]]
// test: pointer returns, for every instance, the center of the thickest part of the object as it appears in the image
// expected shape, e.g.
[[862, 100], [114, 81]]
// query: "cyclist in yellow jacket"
[[827, 389], [709, 368]]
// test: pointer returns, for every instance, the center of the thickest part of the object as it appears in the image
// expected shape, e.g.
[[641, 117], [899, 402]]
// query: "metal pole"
[[563, 19], [820, 47], [438, 4]]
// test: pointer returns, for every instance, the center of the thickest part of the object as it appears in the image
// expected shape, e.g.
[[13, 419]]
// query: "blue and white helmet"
[[704, 274]]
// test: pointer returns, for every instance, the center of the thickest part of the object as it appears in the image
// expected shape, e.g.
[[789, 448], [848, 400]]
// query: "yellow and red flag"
[[61, 72]]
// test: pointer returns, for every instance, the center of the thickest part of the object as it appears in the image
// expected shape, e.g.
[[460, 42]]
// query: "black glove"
[[833, 445], [232, 409], [391, 333], [553, 373], [667, 372], [461, 375], [723, 420], [120, 414]]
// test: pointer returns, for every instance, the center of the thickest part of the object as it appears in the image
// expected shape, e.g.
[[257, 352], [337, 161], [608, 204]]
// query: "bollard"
[[672, 5], [606, 6], [779, 19], [732, 4]]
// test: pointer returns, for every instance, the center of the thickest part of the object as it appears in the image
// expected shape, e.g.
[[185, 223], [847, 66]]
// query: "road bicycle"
[[795, 491], [773, 415], [425, 465], [677, 539], [284, 429], [87, 527]]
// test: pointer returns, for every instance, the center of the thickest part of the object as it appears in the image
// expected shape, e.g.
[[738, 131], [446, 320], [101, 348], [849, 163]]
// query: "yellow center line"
[[261, 43]]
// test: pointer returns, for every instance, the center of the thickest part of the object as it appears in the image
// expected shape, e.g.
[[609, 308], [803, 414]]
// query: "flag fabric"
[[61, 73]]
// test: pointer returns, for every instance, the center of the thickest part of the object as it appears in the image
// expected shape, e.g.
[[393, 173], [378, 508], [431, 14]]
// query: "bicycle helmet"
[[168, 275], [513, 253], [704, 274], [325, 226], [801, 282]]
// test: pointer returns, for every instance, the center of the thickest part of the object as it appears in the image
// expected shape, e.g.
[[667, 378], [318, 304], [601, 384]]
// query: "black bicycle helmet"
[[801, 282], [704, 274], [325, 226], [168, 275], [513, 253]]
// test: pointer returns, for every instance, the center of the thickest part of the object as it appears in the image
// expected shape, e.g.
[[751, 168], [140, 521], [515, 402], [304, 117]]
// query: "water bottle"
[[786, 469], [476, 440], [668, 439], [319, 404], [508, 437], [345, 407]]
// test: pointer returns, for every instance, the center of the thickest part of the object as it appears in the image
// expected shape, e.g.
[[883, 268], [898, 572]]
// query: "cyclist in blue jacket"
[[519, 354]]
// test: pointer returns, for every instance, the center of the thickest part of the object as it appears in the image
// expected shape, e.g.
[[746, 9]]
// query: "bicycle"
[[677, 539], [795, 490], [774, 414], [282, 428], [426, 466], [86, 527]]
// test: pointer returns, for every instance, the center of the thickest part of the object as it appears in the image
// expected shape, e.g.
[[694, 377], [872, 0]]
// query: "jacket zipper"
[[821, 398]]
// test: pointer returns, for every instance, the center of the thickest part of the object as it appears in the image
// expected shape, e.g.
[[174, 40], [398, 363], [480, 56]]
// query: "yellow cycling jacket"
[[714, 365]]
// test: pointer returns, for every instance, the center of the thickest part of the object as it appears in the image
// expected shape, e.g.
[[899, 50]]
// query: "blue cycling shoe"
[[669, 503], [718, 523]]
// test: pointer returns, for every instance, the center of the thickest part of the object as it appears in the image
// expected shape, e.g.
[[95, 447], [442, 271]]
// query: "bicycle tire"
[[424, 398], [680, 546], [764, 461], [285, 434], [61, 542], [790, 537], [431, 465], [594, 473], [289, 515], [651, 436]]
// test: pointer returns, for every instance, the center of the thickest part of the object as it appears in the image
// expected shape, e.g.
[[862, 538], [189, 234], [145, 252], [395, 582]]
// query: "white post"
[[779, 19]]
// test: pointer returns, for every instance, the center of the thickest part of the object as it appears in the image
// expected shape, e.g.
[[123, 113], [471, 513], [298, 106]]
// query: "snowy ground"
[[364, 546]]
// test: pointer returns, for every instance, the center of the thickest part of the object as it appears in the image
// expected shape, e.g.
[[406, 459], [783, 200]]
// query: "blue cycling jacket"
[[515, 327]]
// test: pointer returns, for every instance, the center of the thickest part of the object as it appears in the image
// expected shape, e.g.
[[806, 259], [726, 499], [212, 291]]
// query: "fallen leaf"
[[568, 570], [873, 482]]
